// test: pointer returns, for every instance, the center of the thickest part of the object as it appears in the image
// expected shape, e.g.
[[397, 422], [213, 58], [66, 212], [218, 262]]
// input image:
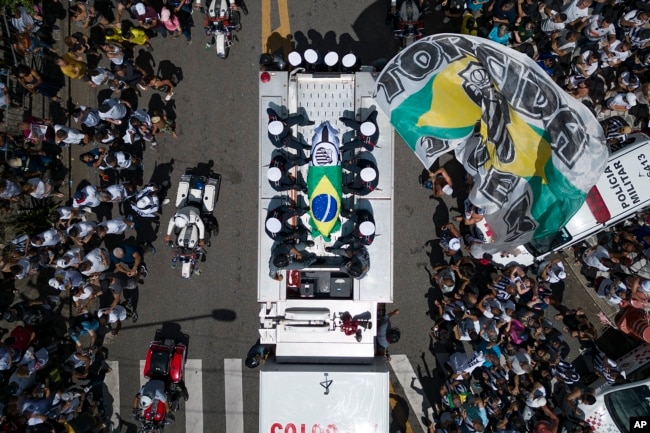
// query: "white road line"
[[234, 395], [112, 382], [414, 393], [194, 405]]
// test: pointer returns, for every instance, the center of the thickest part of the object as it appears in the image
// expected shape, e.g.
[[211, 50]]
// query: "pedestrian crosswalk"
[[234, 394]]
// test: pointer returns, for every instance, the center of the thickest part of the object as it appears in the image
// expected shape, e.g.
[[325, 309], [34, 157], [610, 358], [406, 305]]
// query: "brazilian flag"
[[324, 182]]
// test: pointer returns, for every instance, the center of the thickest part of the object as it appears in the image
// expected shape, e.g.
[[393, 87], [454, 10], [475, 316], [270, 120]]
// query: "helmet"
[[252, 362], [180, 221], [273, 225], [274, 174], [145, 401], [199, 185], [368, 128], [368, 174], [295, 59], [276, 127], [367, 228]]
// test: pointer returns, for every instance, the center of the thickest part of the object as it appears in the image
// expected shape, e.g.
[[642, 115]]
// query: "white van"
[[622, 191], [615, 404]]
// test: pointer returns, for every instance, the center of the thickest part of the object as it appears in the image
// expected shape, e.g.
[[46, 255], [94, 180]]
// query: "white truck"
[[622, 190], [322, 323]]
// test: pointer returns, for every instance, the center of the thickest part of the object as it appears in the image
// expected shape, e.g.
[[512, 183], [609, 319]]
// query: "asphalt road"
[[216, 106]]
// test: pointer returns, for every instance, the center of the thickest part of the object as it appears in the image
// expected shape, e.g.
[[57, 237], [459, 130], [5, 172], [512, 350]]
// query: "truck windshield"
[[627, 403], [544, 245]]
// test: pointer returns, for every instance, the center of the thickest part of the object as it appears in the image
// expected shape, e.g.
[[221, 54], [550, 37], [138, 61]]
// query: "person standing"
[[386, 334]]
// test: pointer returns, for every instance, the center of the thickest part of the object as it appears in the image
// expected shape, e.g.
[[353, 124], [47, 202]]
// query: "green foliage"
[[11, 5]]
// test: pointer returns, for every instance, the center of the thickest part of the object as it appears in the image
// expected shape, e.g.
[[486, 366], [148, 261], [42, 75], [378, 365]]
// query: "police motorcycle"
[[197, 196], [165, 368], [223, 19], [410, 23]]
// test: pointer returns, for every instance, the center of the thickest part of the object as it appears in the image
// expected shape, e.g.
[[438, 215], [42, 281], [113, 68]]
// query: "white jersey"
[[116, 226], [118, 313]]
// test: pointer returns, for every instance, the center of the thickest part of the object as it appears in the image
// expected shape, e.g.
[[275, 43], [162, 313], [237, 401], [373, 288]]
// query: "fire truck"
[[319, 321]]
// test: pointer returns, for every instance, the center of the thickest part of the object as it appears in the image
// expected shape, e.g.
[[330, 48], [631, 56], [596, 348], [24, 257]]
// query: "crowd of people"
[[506, 367], [87, 254], [598, 51]]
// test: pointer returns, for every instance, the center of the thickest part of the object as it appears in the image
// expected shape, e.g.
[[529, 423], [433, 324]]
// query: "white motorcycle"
[[223, 19], [202, 193]]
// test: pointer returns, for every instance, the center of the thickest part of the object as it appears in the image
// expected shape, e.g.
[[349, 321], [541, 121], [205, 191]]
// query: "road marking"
[[283, 30], [194, 405], [398, 412], [112, 382], [414, 393], [234, 395]]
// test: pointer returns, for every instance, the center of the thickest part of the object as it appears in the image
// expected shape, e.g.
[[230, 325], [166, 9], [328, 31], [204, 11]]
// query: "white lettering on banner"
[[621, 185]]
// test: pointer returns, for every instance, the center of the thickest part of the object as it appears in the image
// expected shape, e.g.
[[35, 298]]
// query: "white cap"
[[561, 275], [368, 128], [349, 60], [645, 286], [145, 401], [60, 263], [140, 9], [311, 56], [143, 202], [631, 99], [367, 228], [180, 221], [454, 244], [276, 127], [295, 58], [447, 189], [56, 284], [368, 174], [274, 174], [331, 58], [273, 225]]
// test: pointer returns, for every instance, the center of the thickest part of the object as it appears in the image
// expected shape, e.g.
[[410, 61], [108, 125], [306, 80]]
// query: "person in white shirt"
[[577, 12], [184, 217], [556, 22], [615, 54], [115, 226], [95, 262], [86, 197], [116, 193], [622, 102], [65, 136], [146, 203], [598, 28], [48, 238], [111, 316], [70, 258], [40, 189]]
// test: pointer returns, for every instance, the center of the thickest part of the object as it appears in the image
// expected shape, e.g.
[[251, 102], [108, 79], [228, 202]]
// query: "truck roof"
[[304, 322]]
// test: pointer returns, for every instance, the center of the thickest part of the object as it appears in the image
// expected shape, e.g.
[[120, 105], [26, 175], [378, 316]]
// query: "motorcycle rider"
[[184, 217], [395, 7], [152, 390]]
